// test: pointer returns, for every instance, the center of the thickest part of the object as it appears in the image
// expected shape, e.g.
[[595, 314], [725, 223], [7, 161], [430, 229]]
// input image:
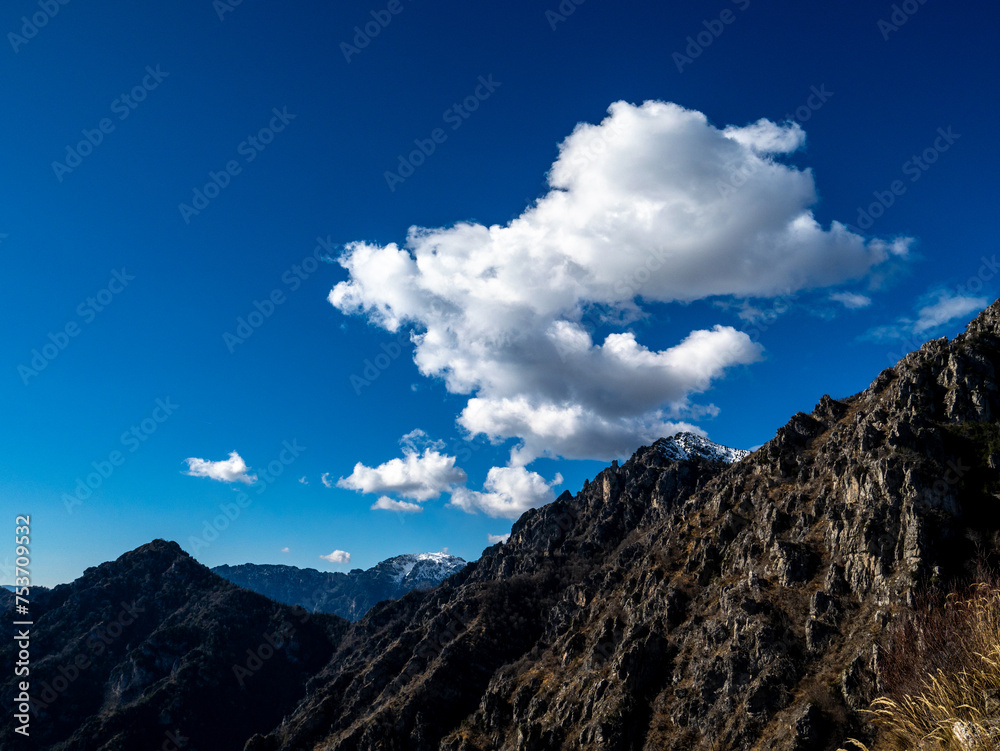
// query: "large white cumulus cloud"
[[642, 208]]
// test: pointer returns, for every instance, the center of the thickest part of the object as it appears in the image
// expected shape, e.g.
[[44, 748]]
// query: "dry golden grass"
[[956, 704]]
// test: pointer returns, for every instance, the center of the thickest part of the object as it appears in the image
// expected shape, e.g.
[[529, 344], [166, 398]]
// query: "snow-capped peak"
[[688, 446], [426, 566]]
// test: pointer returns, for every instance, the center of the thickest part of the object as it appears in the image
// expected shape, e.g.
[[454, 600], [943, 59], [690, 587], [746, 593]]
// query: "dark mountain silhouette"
[[154, 646], [7, 595], [349, 595], [676, 602]]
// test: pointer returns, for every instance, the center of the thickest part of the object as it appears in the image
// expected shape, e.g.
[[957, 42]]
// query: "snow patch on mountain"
[[423, 566], [684, 446]]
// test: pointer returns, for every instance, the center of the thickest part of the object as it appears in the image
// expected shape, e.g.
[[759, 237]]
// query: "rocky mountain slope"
[[678, 601], [691, 604], [348, 595]]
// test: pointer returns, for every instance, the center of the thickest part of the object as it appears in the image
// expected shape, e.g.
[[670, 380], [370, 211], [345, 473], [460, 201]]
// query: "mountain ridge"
[[754, 630], [672, 603], [348, 595]]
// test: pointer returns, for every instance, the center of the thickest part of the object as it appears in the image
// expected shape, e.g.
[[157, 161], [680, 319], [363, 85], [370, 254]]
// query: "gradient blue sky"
[[63, 235]]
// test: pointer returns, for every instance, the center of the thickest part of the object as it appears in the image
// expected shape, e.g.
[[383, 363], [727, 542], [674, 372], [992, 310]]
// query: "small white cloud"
[[303, 480], [233, 469], [286, 550], [388, 504], [337, 556], [947, 308], [509, 492], [851, 300], [759, 310], [766, 137], [494, 539], [325, 479], [417, 476]]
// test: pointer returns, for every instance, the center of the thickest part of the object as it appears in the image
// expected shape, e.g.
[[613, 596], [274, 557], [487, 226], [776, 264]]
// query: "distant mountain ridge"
[[349, 595]]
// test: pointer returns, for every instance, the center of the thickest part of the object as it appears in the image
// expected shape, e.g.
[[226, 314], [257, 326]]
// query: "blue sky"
[[171, 170]]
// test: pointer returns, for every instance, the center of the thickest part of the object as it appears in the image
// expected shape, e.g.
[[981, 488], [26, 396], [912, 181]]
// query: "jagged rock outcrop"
[[349, 595], [692, 604]]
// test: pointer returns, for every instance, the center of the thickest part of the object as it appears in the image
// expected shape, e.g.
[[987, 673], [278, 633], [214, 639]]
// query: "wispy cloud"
[[233, 469], [325, 479], [933, 311], [851, 300], [388, 504], [494, 539], [947, 308]]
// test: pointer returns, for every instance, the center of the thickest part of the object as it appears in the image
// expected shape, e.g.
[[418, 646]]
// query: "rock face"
[[686, 603], [154, 647], [348, 595], [678, 601]]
